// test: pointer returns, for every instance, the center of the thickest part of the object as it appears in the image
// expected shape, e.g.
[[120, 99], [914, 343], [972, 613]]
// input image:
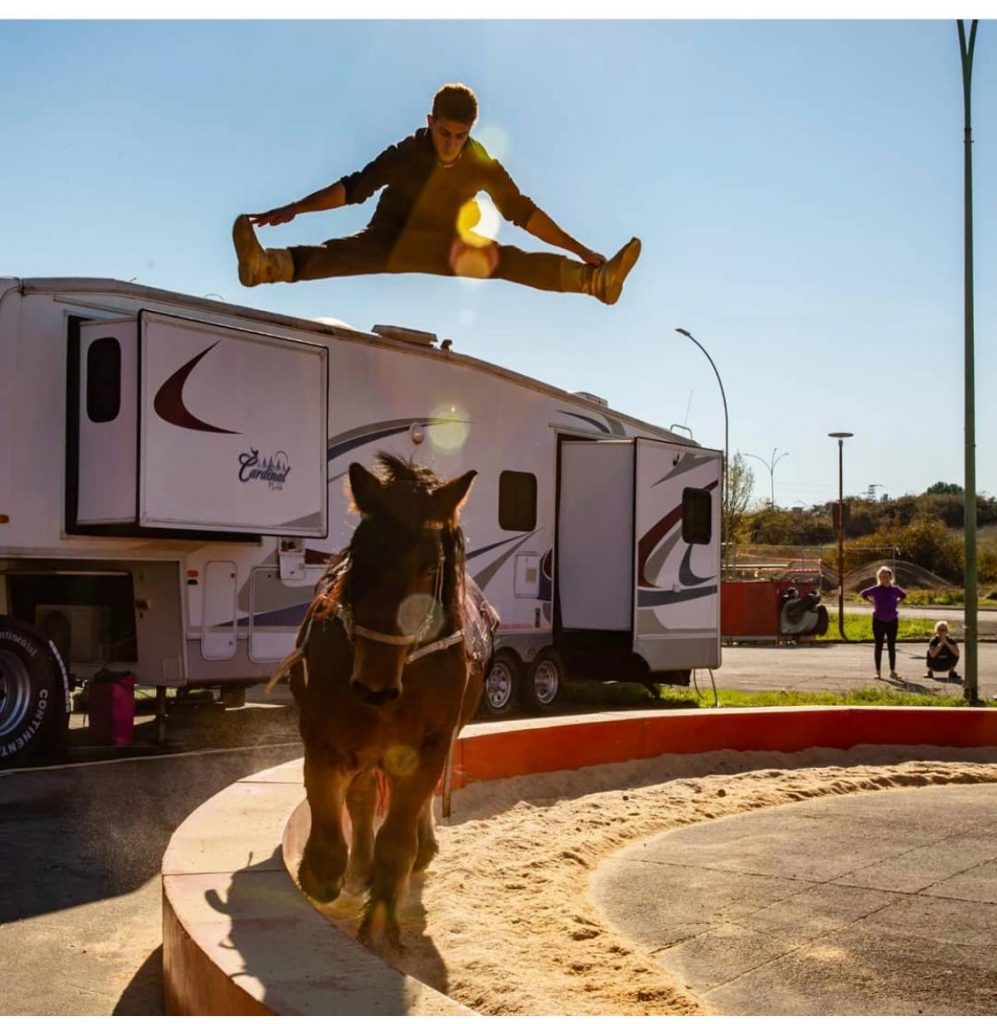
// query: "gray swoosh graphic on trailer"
[[484, 575], [686, 463]]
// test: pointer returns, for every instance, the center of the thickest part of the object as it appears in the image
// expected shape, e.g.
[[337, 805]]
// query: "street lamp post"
[[969, 490], [841, 435], [725, 516], [770, 465]]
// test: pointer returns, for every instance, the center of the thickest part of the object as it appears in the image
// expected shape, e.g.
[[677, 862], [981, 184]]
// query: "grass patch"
[[858, 626], [949, 598], [870, 696], [635, 696]]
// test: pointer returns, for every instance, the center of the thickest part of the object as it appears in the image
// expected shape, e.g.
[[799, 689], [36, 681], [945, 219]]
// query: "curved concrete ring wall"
[[240, 938]]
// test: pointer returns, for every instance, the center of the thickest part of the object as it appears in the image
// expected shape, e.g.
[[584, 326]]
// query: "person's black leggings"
[[885, 631]]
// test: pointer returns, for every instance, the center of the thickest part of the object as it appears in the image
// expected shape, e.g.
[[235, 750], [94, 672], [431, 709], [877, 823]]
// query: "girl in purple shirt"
[[885, 621]]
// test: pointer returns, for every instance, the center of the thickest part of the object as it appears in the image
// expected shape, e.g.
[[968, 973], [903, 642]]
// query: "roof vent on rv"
[[333, 321], [424, 338], [598, 399]]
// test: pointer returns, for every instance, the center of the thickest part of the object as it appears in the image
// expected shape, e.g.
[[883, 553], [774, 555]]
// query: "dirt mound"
[[908, 575]]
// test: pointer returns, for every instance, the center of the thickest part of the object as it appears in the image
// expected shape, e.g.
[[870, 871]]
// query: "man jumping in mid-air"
[[424, 219]]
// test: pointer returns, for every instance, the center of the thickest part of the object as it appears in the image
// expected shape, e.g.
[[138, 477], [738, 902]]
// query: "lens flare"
[[422, 614], [494, 139], [450, 434], [473, 253], [473, 261], [401, 760]]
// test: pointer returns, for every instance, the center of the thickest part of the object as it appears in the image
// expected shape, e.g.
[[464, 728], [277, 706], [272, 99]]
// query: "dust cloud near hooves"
[[502, 923]]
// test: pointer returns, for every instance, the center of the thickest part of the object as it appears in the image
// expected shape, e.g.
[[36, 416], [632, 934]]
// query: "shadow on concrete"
[[263, 900], [84, 833], [143, 996]]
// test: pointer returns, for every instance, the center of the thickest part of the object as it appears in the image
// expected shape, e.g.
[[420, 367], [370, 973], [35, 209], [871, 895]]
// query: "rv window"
[[697, 507], [517, 500], [103, 380]]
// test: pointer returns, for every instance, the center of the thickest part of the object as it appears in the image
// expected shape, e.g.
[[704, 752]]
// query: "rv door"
[[188, 426], [595, 535], [677, 556]]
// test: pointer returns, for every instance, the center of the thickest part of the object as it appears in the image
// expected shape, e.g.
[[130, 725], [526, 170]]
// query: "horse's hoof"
[[322, 890], [379, 933], [387, 945], [357, 882]]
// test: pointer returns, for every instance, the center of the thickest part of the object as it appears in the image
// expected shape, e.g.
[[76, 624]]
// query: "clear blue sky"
[[797, 186]]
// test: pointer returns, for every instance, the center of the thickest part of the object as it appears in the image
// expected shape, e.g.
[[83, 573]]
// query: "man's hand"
[[281, 215], [593, 259]]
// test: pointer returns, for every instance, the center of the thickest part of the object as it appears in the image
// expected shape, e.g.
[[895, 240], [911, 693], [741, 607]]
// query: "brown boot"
[[606, 282], [256, 264]]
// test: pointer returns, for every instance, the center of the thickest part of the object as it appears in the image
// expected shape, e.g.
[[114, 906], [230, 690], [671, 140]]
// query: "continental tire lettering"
[[20, 640], [64, 675]]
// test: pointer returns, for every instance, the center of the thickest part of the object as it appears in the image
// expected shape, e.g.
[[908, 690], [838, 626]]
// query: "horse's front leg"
[[361, 802], [428, 847], [324, 861], [394, 854]]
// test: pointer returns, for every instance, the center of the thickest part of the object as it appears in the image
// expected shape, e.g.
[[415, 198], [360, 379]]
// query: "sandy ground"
[[502, 922]]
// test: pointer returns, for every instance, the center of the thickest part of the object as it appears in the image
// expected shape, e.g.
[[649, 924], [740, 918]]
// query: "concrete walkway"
[[881, 904]]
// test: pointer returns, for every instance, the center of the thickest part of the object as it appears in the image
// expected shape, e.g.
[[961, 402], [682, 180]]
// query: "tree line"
[[924, 528]]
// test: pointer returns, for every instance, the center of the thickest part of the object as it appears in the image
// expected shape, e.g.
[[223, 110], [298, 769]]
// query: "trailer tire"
[[501, 692], [545, 681], [33, 691]]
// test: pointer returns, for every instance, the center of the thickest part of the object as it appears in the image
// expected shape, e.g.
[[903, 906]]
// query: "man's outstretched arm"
[[329, 198], [541, 226]]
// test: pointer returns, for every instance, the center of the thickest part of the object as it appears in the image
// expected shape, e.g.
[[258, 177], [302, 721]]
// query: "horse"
[[390, 663]]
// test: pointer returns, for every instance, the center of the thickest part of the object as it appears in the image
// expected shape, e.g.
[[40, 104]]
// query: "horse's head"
[[405, 558]]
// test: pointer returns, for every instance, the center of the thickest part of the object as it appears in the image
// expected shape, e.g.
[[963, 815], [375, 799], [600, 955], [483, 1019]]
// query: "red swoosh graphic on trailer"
[[649, 541], [168, 402]]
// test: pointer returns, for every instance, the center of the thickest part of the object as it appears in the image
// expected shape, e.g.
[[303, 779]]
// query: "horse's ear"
[[365, 488], [447, 499]]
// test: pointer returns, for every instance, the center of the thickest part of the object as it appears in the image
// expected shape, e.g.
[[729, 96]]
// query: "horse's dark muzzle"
[[375, 697]]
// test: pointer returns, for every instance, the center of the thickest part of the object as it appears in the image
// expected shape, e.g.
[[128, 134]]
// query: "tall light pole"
[[969, 490], [770, 465], [725, 514], [841, 435]]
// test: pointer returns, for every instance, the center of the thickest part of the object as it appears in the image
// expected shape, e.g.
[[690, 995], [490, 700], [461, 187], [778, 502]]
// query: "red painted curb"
[[522, 748]]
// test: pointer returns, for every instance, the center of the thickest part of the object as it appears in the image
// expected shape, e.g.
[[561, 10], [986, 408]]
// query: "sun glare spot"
[[450, 435], [401, 760], [420, 614], [494, 139]]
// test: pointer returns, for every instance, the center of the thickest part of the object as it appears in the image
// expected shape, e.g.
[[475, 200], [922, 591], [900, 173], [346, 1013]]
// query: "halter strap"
[[395, 639]]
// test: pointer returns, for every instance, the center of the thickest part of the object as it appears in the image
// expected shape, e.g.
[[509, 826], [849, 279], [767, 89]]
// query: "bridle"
[[352, 629]]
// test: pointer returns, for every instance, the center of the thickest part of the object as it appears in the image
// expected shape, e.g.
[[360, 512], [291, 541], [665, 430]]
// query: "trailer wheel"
[[502, 685], [33, 688], [545, 681]]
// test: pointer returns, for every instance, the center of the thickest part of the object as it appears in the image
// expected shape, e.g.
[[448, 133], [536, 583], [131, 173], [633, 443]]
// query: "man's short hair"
[[456, 102]]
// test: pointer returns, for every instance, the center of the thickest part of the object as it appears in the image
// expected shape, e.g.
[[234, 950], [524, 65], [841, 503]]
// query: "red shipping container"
[[749, 609]]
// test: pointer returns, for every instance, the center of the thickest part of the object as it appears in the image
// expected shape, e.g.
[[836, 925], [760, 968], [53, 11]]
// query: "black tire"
[[822, 622], [501, 693], [545, 681], [33, 692]]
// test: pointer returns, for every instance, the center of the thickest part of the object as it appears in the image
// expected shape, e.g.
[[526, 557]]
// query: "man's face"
[[448, 137]]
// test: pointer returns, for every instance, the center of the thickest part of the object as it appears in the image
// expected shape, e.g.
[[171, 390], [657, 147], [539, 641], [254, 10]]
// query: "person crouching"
[[943, 653]]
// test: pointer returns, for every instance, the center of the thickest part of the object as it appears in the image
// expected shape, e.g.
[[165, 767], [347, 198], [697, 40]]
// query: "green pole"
[[840, 435], [969, 494]]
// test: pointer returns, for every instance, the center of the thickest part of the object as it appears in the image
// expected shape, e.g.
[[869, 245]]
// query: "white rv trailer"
[[171, 483]]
